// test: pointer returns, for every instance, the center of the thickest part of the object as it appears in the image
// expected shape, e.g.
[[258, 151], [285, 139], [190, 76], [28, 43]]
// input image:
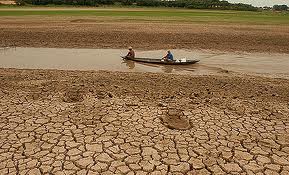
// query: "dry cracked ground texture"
[[104, 33], [70, 122]]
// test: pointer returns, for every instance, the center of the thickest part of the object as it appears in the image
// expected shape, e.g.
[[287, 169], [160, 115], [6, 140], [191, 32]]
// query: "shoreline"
[[77, 32]]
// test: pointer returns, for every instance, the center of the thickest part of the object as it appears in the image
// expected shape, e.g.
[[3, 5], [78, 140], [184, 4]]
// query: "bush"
[[20, 2], [192, 4], [280, 7]]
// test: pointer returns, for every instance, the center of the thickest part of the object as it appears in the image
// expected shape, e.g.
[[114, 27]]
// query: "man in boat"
[[130, 53], [169, 56]]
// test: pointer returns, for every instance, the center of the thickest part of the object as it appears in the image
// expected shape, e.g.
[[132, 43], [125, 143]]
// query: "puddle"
[[109, 59]]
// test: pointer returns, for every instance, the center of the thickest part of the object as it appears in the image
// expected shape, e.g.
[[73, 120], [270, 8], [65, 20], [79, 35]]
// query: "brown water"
[[276, 65]]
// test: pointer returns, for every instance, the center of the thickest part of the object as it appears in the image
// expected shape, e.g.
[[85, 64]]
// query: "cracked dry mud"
[[72, 122], [96, 32]]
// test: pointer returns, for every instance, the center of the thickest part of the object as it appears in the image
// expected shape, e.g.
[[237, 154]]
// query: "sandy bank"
[[71, 32]]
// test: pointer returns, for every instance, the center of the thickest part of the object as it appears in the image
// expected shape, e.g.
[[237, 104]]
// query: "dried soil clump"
[[103, 94], [74, 94], [174, 119]]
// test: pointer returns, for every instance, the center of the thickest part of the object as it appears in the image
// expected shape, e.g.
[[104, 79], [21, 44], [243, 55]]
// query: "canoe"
[[161, 61]]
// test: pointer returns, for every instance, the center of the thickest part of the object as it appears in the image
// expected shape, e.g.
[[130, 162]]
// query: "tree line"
[[193, 4], [280, 7]]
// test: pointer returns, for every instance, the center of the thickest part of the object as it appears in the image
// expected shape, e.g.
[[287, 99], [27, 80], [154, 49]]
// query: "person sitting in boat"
[[130, 53], [169, 56]]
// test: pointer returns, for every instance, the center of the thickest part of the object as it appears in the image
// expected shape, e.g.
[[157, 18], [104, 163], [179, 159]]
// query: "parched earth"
[[72, 122], [101, 32]]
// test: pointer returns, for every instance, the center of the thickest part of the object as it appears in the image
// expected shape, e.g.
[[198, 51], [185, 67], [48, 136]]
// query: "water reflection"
[[167, 69], [163, 68], [130, 64], [7, 49]]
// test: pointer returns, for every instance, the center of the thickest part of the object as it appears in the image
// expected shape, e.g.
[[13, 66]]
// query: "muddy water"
[[276, 65]]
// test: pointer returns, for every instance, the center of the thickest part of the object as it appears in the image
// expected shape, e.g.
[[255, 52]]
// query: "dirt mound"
[[73, 94], [174, 119], [102, 94]]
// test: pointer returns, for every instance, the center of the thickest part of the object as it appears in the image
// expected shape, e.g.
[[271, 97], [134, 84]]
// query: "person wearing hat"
[[130, 53], [169, 56]]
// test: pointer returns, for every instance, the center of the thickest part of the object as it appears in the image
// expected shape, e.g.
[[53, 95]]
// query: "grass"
[[151, 14]]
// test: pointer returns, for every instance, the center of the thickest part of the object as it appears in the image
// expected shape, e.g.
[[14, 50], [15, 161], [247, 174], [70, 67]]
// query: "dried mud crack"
[[113, 123], [61, 32]]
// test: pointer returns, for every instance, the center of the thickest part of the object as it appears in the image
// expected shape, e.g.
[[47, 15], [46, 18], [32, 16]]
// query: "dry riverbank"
[[119, 123], [73, 32]]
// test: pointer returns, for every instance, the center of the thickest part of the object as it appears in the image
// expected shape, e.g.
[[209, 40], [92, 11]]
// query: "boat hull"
[[161, 61]]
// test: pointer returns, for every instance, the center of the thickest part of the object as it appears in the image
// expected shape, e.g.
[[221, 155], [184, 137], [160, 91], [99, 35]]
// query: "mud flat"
[[105, 32], [78, 122]]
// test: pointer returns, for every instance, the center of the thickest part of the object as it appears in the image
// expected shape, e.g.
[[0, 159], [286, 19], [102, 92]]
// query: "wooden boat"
[[161, 61]]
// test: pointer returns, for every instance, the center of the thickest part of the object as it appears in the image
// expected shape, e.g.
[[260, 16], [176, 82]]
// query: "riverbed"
[[211, 62]]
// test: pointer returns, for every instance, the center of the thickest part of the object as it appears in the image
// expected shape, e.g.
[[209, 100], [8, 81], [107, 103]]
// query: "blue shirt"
[[170, 56]]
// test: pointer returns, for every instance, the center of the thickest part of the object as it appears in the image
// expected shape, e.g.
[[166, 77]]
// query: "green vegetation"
[[157, 14], [192, 4], [280, 7]]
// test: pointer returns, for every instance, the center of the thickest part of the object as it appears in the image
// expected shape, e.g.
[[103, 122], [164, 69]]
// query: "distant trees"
[[197, 4], [280, 7], [194, 4], [67, 2]]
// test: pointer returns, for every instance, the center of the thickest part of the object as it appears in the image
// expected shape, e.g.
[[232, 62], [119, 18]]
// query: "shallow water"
[[276, 65]]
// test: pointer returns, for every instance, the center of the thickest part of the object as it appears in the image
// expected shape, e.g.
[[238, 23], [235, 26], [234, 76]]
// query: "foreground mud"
[[71, 122], [99, 32]]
